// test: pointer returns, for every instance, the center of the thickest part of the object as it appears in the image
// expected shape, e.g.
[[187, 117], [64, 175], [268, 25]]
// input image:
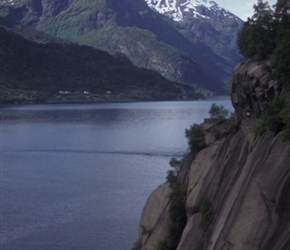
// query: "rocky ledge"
[[251, 84]]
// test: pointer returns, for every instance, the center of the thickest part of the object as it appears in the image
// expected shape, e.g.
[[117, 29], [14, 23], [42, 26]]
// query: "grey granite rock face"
[[155, 218], [248, 183], [246, 179], [251, 84]]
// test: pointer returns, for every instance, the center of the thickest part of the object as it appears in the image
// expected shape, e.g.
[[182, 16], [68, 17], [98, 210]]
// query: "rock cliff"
[[245, 181], [251, 84]]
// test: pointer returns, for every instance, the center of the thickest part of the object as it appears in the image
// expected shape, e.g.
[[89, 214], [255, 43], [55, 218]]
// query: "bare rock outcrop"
[[245, 179], [248, 183], [153, 226], [251, 84]]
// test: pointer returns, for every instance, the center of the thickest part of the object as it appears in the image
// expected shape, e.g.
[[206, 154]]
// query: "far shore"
[[112, 100]]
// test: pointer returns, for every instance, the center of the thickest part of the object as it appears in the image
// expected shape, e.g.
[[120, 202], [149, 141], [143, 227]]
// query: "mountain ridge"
[[177, 52], [180, 10]]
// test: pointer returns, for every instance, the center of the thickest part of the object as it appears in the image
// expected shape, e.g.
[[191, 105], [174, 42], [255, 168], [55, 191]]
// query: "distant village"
[[72, 96], [61, 92]]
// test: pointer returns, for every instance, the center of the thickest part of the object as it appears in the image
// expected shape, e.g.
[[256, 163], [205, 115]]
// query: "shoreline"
[[217, 97]]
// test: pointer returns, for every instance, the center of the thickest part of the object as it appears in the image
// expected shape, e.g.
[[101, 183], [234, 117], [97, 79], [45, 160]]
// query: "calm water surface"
[[77, 176]]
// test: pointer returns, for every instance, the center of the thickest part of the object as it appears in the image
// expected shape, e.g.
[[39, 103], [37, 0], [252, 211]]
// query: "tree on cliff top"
[[258, 34], [266, 35], [218, 112], [263, 32]]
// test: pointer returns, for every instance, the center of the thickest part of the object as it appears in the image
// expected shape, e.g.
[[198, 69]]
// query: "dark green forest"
[[37, 72], [266, 36]]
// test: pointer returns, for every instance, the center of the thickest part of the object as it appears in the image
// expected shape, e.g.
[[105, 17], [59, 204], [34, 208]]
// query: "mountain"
[[180, 10], [193, 51], [53, 72], [205, 20]]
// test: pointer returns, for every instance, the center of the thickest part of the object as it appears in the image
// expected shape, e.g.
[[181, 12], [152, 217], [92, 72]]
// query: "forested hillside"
[[32, 72]]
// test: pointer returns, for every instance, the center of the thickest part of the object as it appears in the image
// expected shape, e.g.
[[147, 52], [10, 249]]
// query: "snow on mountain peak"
[[180, 9]]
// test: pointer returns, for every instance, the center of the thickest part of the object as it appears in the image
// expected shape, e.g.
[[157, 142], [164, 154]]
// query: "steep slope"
[[206, 21], [237, 188], [130, 27], [247, 183], [181, 10], [32, 72]]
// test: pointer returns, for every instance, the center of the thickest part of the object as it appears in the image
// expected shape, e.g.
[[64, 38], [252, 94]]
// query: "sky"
[[241, 8]]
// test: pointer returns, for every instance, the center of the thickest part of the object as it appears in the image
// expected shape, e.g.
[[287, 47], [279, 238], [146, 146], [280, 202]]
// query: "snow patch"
[[175, 10]]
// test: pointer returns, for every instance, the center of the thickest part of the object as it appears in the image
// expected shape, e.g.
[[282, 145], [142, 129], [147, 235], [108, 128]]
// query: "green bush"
[[196, 138], [177, 212], [161, 245], [221, 114], [137, 245], [281, 60], [258, 128], [218, 112], [275, 119], [206, 210], [145, 230], [285, 135], [232, 125], [272, 116], [175, 164], [217, 133], [171, 176]]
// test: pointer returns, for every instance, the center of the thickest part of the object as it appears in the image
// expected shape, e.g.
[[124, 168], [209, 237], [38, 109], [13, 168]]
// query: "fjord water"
[[77, 176]]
